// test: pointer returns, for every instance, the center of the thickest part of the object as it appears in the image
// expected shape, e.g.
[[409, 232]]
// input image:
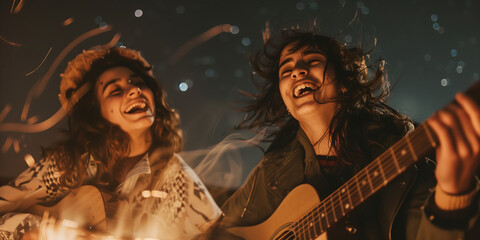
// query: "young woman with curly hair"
[[123, 138]]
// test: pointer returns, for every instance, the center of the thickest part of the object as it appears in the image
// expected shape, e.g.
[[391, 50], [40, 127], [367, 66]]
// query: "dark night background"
[[431, 47]]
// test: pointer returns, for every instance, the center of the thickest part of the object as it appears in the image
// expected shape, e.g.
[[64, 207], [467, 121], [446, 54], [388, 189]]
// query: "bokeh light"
[[476, 76], [300, 6], [210, 73], [427, 57], [138, 13], [234, 30], [459, 69], [180, 9], [453, 52], [246, 41], [444, 82], [183, 86]]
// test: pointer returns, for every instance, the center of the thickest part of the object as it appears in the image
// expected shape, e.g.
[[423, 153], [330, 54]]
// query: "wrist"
[[448, 201]]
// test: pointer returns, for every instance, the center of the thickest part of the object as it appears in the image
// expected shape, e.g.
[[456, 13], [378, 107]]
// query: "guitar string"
[[414, 140], [387, 165], [315, 211], [335, 202]]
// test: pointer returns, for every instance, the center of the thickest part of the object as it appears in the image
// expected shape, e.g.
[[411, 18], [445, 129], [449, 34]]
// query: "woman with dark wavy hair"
[[122, 138], [328, 109]]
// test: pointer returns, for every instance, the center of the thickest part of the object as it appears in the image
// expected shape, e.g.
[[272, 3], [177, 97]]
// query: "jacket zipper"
[[249, 195], [401, 203]]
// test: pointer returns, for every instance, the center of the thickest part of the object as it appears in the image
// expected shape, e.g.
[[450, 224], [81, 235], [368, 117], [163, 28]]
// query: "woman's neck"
[[140, 144], [316, 127]]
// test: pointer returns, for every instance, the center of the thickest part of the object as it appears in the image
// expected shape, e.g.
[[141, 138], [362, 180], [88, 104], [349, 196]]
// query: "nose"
[[298, 73], [134, 90], [300, 70]]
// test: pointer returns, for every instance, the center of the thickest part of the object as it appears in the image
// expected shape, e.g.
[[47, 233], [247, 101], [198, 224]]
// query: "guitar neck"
[[369, 180], [394, 161]]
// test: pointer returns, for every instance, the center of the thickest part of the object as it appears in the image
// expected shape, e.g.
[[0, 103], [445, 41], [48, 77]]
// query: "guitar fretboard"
[[365, 183]]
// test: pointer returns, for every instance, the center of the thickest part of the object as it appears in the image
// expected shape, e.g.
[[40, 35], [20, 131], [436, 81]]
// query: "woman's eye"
[[116, 91], [314, 62], [286, 72]]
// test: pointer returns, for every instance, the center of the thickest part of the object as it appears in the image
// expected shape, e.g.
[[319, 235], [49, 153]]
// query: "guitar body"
[[84, 206], [278, 226]]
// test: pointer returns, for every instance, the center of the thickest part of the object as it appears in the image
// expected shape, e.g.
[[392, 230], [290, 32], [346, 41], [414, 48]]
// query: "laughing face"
[[125, 100], [301, 75]]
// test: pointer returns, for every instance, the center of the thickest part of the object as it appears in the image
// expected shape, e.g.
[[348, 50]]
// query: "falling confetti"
[[40, 63], [68, 21], [29, 160], [7, 144], [10, 42], [16, 9], [39, 86], [47, 124], [4, 112], [185, 48]]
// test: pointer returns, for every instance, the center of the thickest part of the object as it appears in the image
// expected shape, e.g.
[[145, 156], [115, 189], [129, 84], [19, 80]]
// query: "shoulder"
[[380, 127]]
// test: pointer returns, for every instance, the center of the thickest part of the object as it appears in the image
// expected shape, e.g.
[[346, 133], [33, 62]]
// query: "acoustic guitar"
[[84, 206], [79, 215], [302, 215]]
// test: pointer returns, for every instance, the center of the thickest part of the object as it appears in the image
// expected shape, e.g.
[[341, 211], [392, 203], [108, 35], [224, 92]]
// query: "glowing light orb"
[[246, 41], [444, 82], [459, 69], [476, 76], [453, 52], [183, 86], [138, 13], [234, 30]]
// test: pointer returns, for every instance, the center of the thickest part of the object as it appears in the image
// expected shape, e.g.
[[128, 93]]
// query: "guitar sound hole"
[[285, 235]]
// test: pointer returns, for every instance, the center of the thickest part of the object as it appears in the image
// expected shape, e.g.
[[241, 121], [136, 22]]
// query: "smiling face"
[[125, 100], [301, 81]]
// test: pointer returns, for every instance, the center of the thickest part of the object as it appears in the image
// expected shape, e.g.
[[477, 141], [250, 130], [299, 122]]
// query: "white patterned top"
[[163, 201]]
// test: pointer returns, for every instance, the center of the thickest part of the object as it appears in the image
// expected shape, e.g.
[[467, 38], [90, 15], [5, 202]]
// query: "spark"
[[29, 160], [7, 145], [205, 36], [110, 44], [68, 21], [4, 112], [40, 63], [17, 8], [10, 42], [50, 122], [16, 145], [39, 86]]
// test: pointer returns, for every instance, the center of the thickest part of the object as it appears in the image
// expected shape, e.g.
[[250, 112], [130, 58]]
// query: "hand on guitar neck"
[[457, 127]]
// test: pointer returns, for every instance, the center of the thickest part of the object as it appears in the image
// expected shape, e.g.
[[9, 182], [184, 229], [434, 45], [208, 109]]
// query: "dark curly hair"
[[364, 89], [91, 135]]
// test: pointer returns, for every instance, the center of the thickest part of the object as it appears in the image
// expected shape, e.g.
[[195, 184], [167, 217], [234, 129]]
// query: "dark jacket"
[[397, 207]]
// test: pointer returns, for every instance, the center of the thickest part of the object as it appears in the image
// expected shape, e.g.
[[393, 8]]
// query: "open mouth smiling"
[[304, 89], [137, 107]]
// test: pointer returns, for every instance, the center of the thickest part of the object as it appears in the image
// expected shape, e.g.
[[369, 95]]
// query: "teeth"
[[140, 105], [303, 89]]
